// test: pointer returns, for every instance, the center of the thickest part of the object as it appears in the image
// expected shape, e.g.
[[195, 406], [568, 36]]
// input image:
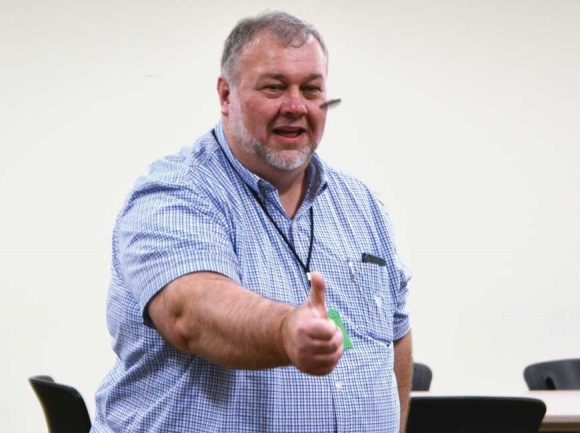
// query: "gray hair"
[[290, 29]]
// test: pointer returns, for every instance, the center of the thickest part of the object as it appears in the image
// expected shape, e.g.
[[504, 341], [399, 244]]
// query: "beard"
[[272, 157]]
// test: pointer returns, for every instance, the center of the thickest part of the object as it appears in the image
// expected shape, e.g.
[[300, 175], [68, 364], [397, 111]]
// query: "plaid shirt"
[[195, 212]]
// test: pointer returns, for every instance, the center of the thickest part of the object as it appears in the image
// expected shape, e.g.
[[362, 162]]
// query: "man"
[[233, 259]]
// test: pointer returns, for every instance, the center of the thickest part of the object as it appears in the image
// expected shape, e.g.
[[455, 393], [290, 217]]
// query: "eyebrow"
[[283, 77]]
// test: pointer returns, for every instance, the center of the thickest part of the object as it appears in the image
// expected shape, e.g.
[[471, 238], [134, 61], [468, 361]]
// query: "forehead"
[[268, 54]]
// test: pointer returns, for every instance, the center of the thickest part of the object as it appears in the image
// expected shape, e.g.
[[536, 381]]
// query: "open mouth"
[[289, 132]]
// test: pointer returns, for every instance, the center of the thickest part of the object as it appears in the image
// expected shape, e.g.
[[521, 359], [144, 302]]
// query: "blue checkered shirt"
[[195, 212]]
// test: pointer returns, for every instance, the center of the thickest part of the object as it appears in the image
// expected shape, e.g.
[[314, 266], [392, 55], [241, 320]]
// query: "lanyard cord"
[[305, 267]]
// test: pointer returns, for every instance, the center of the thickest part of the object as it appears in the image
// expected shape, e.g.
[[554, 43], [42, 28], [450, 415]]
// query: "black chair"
[[422, 376], [64, 407], [556, 374], [475, 415]]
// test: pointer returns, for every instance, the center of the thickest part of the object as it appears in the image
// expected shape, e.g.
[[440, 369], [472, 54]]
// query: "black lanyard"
[[305, 267]]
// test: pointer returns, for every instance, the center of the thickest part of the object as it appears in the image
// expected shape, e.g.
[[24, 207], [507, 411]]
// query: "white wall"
[[463, 115]]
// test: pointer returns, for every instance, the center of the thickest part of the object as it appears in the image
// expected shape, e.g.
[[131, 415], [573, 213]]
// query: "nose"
[[294, 104]]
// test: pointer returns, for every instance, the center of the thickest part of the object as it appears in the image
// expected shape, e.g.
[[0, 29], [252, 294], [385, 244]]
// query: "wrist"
[[284, 339]]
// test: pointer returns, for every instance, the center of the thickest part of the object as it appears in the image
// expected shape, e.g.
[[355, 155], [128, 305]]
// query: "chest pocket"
[[366, 302], [372, 281]]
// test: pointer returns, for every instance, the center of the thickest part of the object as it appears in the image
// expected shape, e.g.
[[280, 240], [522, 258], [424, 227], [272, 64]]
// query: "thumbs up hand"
[[313, 343]]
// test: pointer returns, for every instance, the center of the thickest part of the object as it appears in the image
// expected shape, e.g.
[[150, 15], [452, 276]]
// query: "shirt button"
[[338, 385], [379, 301]]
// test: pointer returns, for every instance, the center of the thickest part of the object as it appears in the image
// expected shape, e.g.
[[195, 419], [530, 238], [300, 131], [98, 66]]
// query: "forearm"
[[404, 374], [210, 316]]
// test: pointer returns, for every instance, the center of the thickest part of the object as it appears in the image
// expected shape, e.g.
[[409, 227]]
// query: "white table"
[[563, 410]]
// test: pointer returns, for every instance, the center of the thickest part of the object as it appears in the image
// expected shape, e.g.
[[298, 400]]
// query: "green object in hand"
[[335, 317]]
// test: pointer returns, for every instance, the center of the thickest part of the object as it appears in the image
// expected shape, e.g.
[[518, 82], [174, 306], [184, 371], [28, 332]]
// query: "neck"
[[292, 192]]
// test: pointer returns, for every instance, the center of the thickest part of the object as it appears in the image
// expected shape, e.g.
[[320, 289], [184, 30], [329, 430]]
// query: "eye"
[[312, 90], [273, 87]]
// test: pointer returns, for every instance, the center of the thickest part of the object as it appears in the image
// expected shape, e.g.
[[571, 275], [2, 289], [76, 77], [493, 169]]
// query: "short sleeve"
[[401, 275], [401, 321], [167, 231]]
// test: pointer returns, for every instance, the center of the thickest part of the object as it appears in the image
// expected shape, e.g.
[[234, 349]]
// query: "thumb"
[[317, 290]]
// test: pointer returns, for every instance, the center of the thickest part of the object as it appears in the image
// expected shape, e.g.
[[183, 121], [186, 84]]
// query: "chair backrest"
[[64, 407], [475, 415], [556, 374], [422, 376]]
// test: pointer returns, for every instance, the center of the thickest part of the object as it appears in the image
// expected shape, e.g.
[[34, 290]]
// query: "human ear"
[[223, 89]]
